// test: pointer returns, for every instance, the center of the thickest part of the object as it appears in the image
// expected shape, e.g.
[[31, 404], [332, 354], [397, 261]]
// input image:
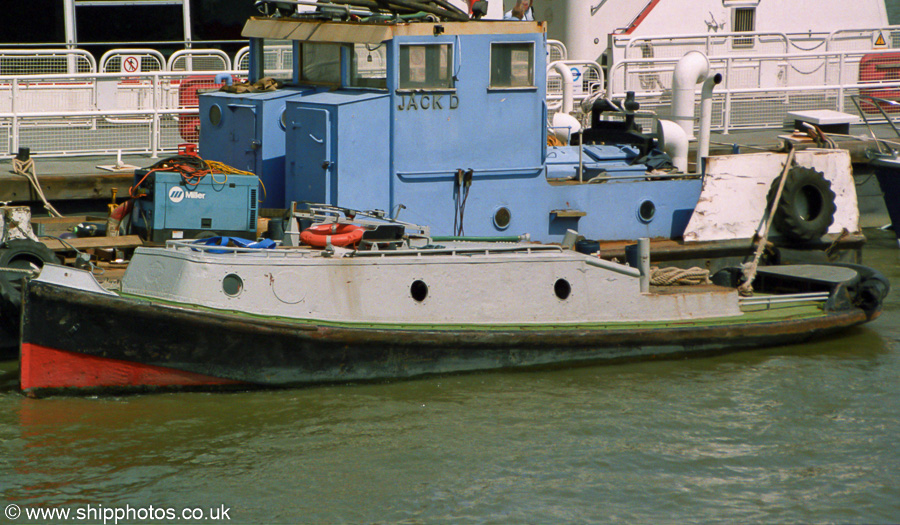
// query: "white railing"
[[556, 50], [123, 60], [758, 90], [588, 80], [132, 61], [707, 43], [199, 60], [856, 39], [46, 61], [626, 47], [56, 112], [85, 114], [277, 60]]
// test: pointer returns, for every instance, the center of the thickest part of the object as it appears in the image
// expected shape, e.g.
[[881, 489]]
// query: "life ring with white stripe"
[[319, 235]]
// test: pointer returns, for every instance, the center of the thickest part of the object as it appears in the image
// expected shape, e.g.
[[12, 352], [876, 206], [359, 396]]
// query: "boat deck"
[[67, 179]]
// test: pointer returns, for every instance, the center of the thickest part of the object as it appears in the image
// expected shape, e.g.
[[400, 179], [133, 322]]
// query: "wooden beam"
[[83, 243]]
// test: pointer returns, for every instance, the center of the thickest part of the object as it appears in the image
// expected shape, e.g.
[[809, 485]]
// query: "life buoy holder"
[[807, 205], [319, 235]]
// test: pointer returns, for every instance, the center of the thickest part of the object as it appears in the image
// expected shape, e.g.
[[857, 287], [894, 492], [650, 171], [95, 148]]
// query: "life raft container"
[[319, 235], [807, 206], [879, 68]]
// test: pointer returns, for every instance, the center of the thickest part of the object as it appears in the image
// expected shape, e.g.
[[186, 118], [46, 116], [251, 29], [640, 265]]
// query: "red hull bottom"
[[43, 367]]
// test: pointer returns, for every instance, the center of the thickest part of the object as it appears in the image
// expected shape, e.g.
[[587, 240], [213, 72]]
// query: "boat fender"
[[320, 235], [20, 254], [729, 277], [807, 205], [869, 291]]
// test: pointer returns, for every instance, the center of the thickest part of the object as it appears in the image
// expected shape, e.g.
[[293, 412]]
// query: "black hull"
[[278, 353]]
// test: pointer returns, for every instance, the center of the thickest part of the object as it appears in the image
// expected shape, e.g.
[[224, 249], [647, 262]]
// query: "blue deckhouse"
[[443, 123]]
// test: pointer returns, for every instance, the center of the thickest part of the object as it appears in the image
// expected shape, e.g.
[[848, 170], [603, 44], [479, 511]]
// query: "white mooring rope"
[[678, 276]]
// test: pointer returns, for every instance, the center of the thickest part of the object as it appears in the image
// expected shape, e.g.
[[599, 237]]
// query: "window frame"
[[531, 65], [347, 59], [419, 87], [301, 61]]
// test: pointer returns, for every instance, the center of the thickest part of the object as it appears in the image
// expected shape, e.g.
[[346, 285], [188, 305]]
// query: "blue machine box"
[[247, 131], [170, 208]]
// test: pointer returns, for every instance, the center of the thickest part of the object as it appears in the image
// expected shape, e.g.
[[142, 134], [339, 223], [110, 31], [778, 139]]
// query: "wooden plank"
[[82, 243], [568, 213], [70, 219]]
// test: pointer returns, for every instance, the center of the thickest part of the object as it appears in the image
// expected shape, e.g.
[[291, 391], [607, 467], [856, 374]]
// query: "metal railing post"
[[15, 116], [726, 121], [155, 131], [841, 63]]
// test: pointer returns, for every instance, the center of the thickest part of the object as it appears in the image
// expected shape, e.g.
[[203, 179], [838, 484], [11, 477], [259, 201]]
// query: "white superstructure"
[[587, 27]]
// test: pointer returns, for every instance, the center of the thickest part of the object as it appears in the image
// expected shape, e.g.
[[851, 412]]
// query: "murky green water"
[[793, 434]]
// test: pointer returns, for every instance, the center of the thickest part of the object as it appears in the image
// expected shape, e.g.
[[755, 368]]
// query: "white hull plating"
[[470, 286]]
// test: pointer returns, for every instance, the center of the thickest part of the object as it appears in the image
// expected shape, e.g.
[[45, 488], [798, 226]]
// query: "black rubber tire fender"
[[807, 204], [22, 254]]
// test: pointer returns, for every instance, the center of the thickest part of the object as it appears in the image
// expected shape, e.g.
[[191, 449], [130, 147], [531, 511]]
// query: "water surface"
[[804, 433]]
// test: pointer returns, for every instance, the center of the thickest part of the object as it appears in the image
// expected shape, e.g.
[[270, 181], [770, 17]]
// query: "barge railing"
[[62, 102]]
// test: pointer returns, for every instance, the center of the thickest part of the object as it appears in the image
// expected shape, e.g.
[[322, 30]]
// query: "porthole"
[[284, 119], [646, 211], [232, 285], [502, 216], [562, 288], [418, 290], [215, 115]]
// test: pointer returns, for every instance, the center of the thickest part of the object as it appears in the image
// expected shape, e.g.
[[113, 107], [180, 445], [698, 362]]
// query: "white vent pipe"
[[674, 143], [706, 116], [691, 69]]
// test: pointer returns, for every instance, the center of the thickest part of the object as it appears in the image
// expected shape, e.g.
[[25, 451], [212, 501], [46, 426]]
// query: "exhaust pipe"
[[706, 117], [692, 69], [673, 142]]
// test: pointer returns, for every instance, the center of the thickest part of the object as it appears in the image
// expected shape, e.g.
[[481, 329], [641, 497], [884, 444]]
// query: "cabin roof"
[[373, 33]]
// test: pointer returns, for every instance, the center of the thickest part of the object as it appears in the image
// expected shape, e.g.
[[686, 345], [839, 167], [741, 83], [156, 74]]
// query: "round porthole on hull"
[[232, 284], [562, 288], [502, 218], [646, 211], [418, 290]]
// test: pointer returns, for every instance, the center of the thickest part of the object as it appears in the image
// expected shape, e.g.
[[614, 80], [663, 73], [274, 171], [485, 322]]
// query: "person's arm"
[[521, 8]]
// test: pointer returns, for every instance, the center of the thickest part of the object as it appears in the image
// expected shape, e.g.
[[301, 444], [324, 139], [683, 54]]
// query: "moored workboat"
[[398, 305]]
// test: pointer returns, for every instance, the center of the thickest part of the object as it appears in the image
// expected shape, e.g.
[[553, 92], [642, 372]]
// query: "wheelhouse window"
[[368, 66], [321, 64], [512, 65], [426, 66], [744, 22]]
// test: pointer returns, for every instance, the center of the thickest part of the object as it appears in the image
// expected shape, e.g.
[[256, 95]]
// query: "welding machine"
[[168, 206]]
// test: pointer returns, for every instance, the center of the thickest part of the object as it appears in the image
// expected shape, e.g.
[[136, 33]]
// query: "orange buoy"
[[319, 235]]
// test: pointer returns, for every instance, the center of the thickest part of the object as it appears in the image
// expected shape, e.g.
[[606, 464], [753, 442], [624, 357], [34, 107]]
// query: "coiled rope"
[[678, 276]]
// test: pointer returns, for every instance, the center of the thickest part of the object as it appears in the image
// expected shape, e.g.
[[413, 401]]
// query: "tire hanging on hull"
[[807, 204]]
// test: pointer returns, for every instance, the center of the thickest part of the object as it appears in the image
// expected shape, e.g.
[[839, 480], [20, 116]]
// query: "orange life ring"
[[319, 235]]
